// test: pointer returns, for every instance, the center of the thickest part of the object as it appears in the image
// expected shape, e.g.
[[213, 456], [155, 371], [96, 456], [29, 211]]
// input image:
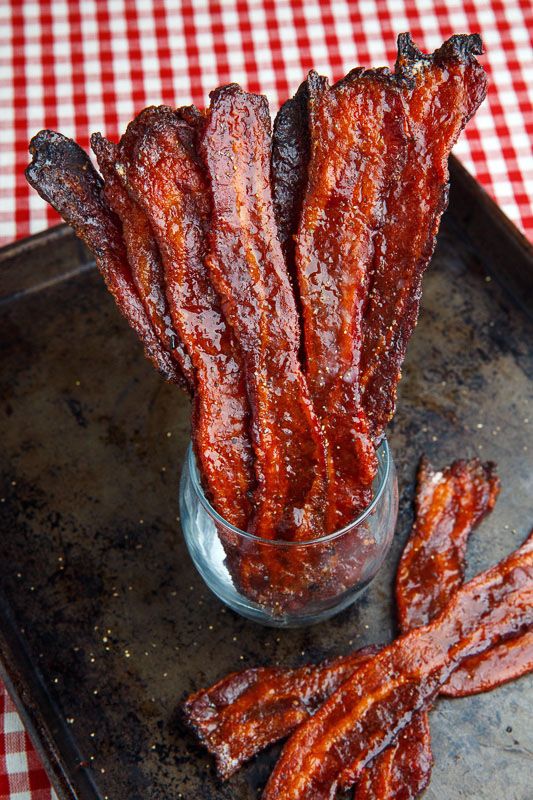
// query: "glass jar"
[[282, 583]]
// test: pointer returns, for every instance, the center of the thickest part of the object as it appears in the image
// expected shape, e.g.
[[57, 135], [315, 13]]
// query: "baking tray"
[[104, 624]]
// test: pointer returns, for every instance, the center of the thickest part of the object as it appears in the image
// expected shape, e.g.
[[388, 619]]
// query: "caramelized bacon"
[[342, 207], [247, 269], [247, 711], [366, 713], [482, 673], [449, 504], [440, 93], [290, 159], [63, 175], [404, 766], [143, 254], [159, 169]]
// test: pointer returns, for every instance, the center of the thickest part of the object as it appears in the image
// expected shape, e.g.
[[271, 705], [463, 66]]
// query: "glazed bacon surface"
[[159, 168], [362, 717], [63, 175], [143, 254], [247, 268], [489, 670], [439, 94], [341, 209], [449, 503], [246, 711], [417, 114]]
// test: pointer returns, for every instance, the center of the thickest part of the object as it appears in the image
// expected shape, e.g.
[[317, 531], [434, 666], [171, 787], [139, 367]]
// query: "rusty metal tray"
[[104, 624]]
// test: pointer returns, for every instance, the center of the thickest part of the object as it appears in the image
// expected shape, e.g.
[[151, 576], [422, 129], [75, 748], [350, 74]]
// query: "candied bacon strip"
[[406, 756], [247, 268], [64, 176], [159, 169], [348, 173], [143, 254], [290, 158], [499, 665], [448, 506], [249, 710], [440, 93], [363, 716]]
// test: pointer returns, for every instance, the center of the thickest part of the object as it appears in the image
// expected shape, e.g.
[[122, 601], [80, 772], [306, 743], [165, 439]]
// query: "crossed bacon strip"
[[246, 711]]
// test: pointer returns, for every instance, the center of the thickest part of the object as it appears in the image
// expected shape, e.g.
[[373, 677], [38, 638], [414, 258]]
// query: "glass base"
[[289, 584]]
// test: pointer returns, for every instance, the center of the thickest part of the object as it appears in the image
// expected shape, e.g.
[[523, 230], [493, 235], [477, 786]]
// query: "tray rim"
[[468, 201]]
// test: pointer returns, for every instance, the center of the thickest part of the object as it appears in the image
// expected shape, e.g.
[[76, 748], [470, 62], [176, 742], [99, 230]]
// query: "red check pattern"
[[86, 65], [21, 774]]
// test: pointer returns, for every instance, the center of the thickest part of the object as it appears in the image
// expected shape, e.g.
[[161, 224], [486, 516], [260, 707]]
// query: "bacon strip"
[[63, 175], [330, 751], [290, 158], [158, 167], [449, 504], [356, 134], [440, 93], [488, 670], [143, 254], [247, 711], [247, 269]]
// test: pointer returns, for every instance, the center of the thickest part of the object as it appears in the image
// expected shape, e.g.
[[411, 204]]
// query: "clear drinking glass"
[[289, 584]]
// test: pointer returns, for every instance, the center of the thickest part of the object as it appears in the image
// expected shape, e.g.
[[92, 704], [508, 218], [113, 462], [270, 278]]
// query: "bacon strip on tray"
[[159, 168], [63, 175], [363, 716], [449, 504], [247, 268], [246, 711]]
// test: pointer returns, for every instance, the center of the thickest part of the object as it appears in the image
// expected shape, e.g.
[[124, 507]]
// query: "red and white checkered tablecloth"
[[87, 65]]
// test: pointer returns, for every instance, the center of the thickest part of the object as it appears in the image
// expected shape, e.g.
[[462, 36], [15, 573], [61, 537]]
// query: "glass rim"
[[195, 479]]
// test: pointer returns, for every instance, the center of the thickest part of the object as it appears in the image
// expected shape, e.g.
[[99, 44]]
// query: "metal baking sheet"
[[104, 624]]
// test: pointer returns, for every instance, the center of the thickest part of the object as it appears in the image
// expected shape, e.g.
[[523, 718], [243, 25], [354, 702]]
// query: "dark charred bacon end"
[[63, 175]]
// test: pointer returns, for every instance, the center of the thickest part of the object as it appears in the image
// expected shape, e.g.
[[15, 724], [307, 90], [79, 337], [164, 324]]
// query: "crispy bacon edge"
[[62, 173]]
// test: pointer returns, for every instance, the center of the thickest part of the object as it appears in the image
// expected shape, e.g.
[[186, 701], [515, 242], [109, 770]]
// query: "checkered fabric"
[[21, 774], [86, 65]]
